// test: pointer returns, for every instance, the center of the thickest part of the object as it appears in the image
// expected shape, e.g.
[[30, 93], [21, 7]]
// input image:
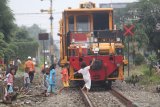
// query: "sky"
[[19, 7]]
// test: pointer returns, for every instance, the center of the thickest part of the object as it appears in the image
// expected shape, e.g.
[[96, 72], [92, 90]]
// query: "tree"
[[23, 44], [26, 49], [6, 27], [149, 12], [14, 40], [21, 34], [34, 31], [6, 20]]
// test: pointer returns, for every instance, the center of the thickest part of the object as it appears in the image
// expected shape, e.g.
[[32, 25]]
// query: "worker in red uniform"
[[30, 65]]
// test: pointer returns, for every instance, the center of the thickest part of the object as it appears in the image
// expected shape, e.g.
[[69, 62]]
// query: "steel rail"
[[86, 99], [122, 98]]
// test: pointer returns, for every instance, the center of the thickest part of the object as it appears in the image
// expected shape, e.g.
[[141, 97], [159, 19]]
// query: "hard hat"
[[29, 57], [46, 66], [45, 62]]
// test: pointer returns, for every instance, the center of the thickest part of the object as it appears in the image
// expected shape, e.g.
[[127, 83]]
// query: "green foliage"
[[147, 72], [148, 12], [152, 57], [6, 28], [3, 44], [1, 35], [140, 36], [14, 40], [148, 77], [128, 79], [34, 31], [9, 53], [139, 59], [21, 34], [149, 18], [154, 79], [26, 49], [6, 20]]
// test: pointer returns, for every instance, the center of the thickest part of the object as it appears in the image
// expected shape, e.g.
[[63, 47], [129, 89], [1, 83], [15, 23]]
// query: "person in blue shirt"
[[52, 79], [46, 79]]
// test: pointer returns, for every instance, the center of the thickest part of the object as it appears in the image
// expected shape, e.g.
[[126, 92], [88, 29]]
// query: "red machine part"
[[78, 37], [108, 66]]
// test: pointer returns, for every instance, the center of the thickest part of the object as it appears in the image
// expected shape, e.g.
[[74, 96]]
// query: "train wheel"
[[108, 85], [76, 84]]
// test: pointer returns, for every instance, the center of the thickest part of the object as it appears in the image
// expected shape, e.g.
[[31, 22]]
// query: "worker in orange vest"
[[30, 65]]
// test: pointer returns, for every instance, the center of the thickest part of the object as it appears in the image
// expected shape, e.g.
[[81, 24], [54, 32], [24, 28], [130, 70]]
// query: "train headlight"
[[96, 50]]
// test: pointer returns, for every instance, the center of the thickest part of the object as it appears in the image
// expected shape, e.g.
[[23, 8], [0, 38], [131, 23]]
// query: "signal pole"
[[50, 11], [51, 39]]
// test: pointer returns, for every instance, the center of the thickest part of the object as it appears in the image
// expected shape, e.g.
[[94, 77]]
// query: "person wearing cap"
[[30, 65]]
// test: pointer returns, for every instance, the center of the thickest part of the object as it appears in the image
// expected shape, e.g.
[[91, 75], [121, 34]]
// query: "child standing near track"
[[10, 78], [86, 75], [26, 79], [65, 77], [52, 79], [9, 85], [46, 79]]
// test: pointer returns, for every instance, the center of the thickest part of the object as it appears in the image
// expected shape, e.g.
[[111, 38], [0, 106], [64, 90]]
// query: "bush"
[[139, 59], [146, 80], [148, 72]]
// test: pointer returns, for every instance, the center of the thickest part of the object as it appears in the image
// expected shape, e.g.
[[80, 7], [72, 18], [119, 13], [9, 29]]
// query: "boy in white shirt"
[[86, 75]]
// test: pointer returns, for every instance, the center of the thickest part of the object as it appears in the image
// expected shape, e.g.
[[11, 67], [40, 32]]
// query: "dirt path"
[[68, 98]]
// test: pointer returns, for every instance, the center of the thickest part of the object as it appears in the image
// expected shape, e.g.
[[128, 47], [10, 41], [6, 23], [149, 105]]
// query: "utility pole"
[[50, 11], [51, 34]]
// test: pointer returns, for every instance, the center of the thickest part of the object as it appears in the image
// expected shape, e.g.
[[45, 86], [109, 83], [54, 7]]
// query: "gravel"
[[104, 99], [68, 98], [138, 94], [71, 97]]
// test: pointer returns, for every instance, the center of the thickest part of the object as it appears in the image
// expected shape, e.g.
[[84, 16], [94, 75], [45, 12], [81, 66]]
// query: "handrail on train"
[[100, 34]]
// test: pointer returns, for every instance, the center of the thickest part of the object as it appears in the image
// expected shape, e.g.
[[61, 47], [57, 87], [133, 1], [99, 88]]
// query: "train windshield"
[[83, 24], [71, 23], [101, 21]]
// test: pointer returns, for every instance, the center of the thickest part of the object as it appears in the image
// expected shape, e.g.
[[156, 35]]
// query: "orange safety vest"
[[29, 64]]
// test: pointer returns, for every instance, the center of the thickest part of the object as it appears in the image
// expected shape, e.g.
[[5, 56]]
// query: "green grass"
[[149, 77], [146, 76]]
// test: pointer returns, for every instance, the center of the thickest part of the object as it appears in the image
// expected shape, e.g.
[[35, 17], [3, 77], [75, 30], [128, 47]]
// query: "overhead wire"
[[36, 13]]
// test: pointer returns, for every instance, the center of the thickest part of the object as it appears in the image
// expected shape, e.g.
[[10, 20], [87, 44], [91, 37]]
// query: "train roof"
[[88, 10]]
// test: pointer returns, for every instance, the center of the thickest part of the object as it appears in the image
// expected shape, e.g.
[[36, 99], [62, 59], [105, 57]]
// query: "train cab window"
[[101, 21], [71, 23], [83, 23]]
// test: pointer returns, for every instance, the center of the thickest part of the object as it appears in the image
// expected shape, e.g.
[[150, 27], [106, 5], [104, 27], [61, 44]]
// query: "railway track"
[[122, 98], [118, 101], [86, 99]]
